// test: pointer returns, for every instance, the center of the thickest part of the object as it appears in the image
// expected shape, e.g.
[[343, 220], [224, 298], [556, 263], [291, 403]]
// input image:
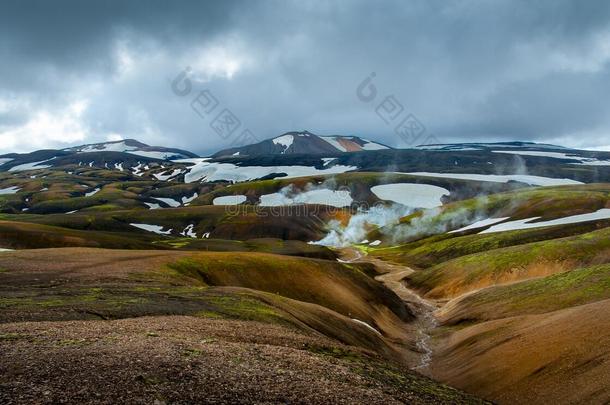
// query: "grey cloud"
[[469, 70]]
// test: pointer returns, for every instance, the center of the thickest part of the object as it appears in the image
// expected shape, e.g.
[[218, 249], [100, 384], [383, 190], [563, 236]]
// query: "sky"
[[167, 73]]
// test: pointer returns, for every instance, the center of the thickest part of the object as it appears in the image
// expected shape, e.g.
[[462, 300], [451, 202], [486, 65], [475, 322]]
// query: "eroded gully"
[[392, 276]]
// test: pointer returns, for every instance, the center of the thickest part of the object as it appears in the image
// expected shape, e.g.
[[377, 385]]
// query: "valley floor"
[[514, 360]]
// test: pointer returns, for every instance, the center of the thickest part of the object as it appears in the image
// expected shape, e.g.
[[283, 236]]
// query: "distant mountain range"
[[480, 146], [127, 153], [304, 154]]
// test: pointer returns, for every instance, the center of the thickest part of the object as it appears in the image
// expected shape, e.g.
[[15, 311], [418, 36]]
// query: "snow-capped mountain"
[[119, 155], [135, 148], [304, 142]]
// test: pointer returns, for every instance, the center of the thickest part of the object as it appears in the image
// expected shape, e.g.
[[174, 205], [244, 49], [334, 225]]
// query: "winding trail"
[[392, 276]]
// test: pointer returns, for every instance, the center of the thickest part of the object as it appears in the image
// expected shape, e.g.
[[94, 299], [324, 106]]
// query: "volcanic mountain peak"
[[304, 142]]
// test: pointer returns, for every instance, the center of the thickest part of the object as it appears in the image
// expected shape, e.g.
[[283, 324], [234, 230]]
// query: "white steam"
[[432, 221], [361, 224]]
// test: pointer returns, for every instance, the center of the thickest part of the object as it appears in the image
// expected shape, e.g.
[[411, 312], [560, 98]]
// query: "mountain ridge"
[[303, 142]]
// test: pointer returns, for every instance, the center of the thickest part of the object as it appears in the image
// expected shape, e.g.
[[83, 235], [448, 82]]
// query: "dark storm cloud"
[[75, 71]]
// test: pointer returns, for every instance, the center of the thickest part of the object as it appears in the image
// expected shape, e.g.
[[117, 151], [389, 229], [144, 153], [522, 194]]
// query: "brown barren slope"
[[177, 359], [561, 357], [342, 288]]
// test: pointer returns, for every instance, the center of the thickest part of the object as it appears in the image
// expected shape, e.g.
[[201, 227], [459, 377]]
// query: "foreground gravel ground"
[[180, 359]]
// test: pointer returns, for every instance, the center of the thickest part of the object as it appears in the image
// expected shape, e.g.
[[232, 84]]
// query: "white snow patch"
[[480, 224], [411, 194], [5, 160], [532, 180], [9, 190], [30, 166], [367, 325], [375, 243], [123, 147], [191, 160], [163, 177], [169, 201], [370, 145], [152, 206], [593, 162], [108, 147], [137, 170], [202, 170], [478, 146], [119, 166], [284, 140], [6, 250], [527, 223], [556, 155], [189, 231], [275, 200], [153, 154], [446, 148], [328, 160], [152, 228], [585, 161], [235, 154], [323, 196], [89, 194], [188, 200], [229, 200]]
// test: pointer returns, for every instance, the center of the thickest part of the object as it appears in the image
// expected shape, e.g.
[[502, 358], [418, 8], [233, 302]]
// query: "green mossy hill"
[[23, 235], [564, 290], [427, 252], [470, 272], [242, 223], [342, 288], [79, 283]]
